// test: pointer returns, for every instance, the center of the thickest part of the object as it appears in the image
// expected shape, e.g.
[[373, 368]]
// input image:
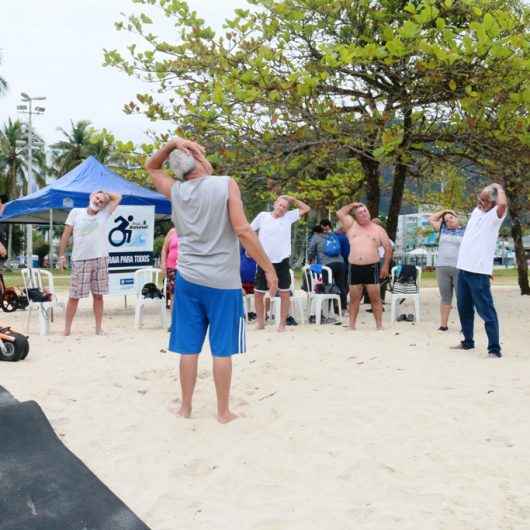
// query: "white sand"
[[342, 430]]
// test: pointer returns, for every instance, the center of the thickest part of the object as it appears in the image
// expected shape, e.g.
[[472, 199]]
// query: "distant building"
[[414, 231]]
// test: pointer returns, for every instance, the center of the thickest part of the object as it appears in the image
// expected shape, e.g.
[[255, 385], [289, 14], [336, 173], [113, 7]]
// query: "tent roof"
[[73, 190]]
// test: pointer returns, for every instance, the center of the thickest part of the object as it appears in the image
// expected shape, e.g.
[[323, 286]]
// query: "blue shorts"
[[196, 307]]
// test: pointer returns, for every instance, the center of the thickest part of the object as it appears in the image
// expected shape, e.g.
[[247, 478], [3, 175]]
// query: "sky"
[[54, 48]]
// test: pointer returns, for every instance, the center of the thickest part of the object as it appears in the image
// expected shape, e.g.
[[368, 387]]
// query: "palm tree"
[[74, 149], [14, 156]]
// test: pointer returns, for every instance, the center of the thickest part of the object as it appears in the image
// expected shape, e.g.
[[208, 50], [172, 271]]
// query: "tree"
[[497, 139], [370, 80], [14, 158], [70, 152], [83, 141]]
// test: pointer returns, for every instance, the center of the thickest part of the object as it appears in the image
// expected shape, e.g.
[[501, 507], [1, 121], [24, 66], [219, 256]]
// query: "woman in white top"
[[451, 233]]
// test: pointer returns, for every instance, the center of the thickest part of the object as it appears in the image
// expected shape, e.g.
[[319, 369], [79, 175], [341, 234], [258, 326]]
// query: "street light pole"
[[31, 181]]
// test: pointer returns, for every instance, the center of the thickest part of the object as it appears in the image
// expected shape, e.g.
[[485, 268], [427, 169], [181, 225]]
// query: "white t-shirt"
[[275, 233], [90, 233], [479, 242]]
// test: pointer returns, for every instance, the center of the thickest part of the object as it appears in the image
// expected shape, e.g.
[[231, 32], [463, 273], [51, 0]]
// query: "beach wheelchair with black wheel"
[[13, 346]]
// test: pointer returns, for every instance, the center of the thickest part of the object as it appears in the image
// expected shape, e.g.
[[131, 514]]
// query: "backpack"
[[37, 295], [150, 290], [406, 274], [405, 280], [332, 246]]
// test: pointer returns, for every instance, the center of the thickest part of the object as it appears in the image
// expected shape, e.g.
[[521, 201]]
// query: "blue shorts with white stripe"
[[197, 308]]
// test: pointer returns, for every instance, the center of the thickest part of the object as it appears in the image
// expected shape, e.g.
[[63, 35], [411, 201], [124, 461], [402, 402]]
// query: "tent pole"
[[10, 242], [50, 241]]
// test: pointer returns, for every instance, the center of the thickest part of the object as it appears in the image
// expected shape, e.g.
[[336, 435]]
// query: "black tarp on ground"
[[43, 486]]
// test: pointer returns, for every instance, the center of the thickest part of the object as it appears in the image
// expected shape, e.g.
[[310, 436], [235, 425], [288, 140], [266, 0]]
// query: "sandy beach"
[[359, 430]]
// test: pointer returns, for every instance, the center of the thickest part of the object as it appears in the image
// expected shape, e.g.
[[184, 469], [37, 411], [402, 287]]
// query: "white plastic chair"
[[42, 280], [403, 292], [297, 303], [315, 300], [141, 277]]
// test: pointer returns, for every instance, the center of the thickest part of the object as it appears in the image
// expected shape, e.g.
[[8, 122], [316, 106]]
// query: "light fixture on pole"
[[27, 108]]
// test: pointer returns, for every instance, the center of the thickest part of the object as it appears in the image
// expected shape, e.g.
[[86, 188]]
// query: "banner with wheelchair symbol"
[[130, 237]]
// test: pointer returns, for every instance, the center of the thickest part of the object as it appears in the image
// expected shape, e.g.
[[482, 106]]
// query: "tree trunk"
[[398, 187], [400, 176], [12, 185], [373, 188], [520, 256]]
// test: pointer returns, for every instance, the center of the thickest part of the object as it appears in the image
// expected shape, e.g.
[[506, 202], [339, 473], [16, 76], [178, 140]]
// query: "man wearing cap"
[[89, 254], [209, 218]]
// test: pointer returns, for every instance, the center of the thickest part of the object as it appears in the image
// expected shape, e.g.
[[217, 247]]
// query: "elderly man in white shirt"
[[274, 232], [475, 266], [88, 228]]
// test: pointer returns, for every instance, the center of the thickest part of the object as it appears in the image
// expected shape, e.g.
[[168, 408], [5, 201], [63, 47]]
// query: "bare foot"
[[184, 412], [379, 328], [66, 332], [227, 417], [281, 328], [100, 332], [260, 325]]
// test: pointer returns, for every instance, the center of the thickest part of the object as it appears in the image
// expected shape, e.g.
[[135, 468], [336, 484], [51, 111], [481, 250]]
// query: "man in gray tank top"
[[209, 218]]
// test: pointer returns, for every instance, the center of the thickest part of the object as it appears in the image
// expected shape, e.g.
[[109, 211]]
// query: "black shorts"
[[283, 270], [364, 274]]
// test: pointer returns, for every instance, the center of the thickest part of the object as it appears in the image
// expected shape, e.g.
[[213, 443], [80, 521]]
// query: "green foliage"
[[14, 156], [157, 246], [294, 80]]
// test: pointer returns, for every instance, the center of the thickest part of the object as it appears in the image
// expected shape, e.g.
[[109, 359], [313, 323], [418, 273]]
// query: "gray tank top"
[[208, 246]]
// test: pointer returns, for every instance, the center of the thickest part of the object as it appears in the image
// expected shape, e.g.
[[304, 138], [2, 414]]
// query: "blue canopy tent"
[[73, 190]]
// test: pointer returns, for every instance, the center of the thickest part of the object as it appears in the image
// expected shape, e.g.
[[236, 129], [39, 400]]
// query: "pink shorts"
[[89, 275]]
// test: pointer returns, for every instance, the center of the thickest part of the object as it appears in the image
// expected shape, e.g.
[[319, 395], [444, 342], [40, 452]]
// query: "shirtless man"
[[365, 238]]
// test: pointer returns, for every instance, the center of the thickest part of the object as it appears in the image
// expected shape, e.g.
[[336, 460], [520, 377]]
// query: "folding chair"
[[142, 277], [403, 291], [314, 275], [42, 280], [297, 303]]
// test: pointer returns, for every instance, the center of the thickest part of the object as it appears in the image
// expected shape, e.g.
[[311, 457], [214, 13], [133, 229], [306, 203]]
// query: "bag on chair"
[[36, 295], [405, 280], [150, 290]]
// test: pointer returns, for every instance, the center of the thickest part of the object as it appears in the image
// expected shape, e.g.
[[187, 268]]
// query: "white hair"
[[181, 163], [492, 193]]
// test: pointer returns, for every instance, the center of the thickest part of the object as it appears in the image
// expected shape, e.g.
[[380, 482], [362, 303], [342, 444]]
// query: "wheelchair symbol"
[[121, 234]]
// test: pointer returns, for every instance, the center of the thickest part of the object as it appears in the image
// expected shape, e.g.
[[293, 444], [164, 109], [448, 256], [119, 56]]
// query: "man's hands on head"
[[191, 147]]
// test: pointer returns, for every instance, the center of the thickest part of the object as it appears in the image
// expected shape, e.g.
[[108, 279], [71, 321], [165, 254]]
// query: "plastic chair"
[[402, 291], [141, 277], [313, 276], [42, 280], [297, 303]]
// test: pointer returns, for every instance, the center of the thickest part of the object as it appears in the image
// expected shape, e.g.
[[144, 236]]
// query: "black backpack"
[[407, 274], [150, 290]]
